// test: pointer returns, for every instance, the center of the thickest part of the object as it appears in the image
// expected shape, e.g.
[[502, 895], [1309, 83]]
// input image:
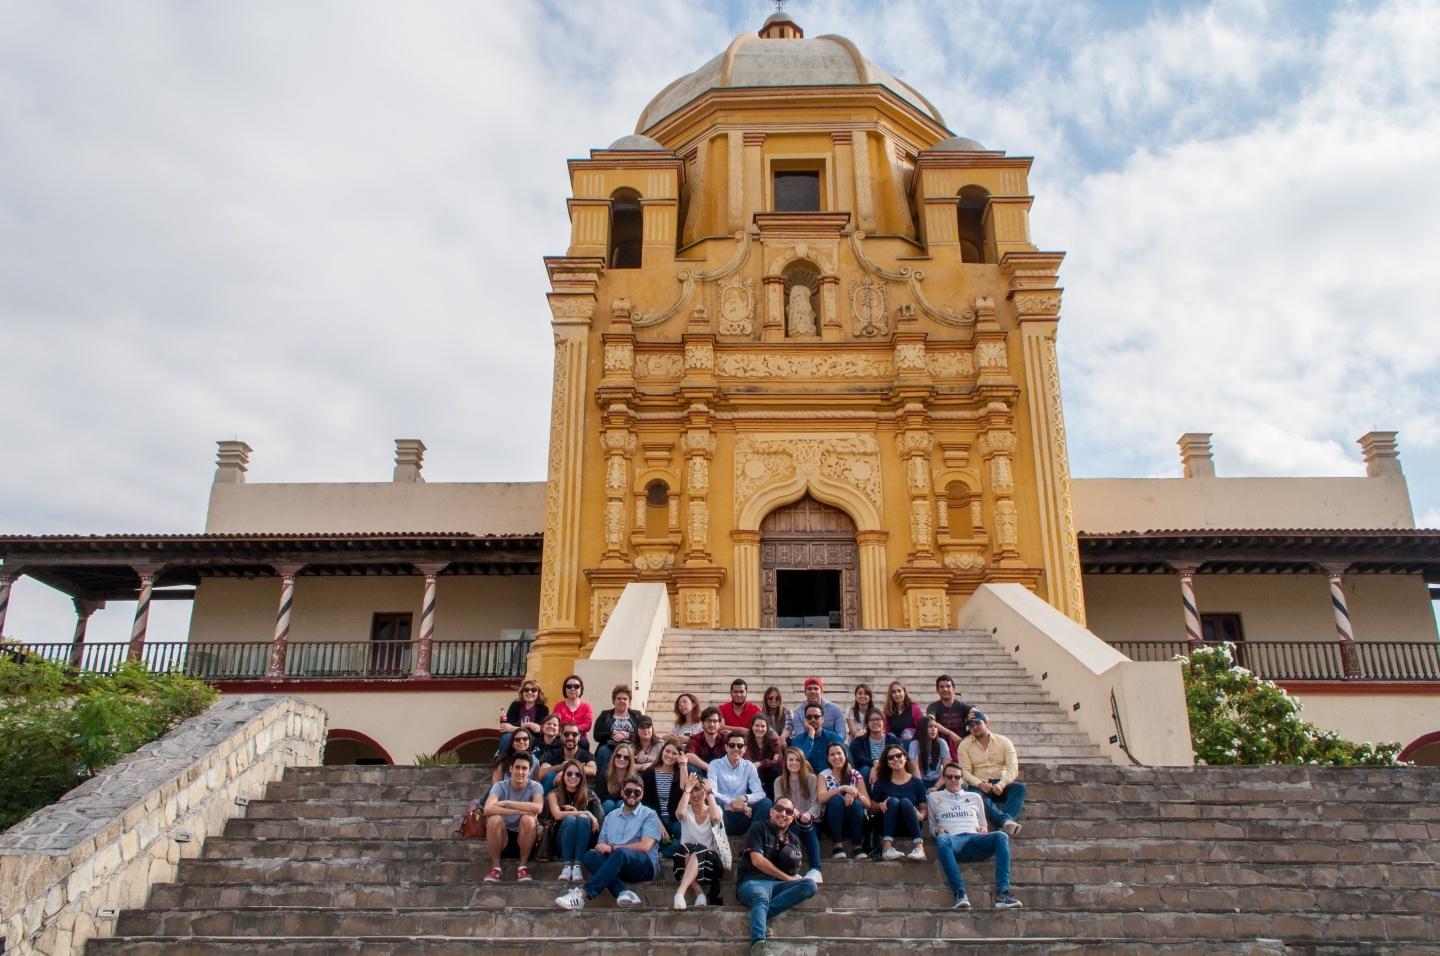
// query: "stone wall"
[[66, 871]]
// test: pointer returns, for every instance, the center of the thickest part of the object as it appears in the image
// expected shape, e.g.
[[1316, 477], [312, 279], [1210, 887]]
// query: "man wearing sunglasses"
[[811, 737], [767, 878], [737, 786], [566, 748], [627, 849], [957, 820]]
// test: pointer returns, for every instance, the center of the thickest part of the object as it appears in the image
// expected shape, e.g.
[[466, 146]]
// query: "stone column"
[[747, 578], [753, 192], [874, 580], [1349, 654], [1194, 634], [83, 610], [864, 200], [619, 444], [142, 614], [427, 619], [280, 642], [7, 579]]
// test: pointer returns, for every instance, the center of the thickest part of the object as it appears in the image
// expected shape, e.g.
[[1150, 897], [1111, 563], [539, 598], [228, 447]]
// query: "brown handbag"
[[472, 825]]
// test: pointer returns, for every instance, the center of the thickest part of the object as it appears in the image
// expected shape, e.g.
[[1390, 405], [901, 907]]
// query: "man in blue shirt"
[[737, 787], [833, 716], [628, 849], [814, 740]]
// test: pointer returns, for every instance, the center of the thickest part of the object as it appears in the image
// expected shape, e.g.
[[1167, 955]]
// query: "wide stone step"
[[877, 894], [804, 921], [1231, 830], [1025, 871]]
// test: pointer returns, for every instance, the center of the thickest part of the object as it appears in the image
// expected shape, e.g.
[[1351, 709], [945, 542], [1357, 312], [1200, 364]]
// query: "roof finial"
[[780, 26]]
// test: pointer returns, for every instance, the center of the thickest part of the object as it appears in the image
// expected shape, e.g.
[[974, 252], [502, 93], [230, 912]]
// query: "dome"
[[958, 144], [635, 142], [756, 61]]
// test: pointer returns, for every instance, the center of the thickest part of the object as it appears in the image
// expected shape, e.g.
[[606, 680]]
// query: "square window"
[[797, 191]]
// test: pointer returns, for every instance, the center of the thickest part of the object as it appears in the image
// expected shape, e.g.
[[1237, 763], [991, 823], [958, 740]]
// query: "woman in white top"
[[696, 859], [800, 786]]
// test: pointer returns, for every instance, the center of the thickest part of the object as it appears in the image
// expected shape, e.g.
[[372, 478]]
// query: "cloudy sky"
[[318, 226]]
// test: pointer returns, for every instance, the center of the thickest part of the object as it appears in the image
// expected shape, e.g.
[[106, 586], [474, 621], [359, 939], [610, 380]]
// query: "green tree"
[[1238, 718], [59, 727]]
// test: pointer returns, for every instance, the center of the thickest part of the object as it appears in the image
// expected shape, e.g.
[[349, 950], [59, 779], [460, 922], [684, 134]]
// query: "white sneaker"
[[577, 874], [627, 898], [917, 852], [1011, 827], [890, 853], [574, 900], [566, 871], [679, 901], [814, 876], [700, 900]]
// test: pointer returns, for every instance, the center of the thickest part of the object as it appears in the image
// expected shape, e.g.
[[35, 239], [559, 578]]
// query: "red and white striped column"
[[142, 614], [83, 610], [427, 618], [1194, 635], [1349, 655], [280, 642], [6, 580]]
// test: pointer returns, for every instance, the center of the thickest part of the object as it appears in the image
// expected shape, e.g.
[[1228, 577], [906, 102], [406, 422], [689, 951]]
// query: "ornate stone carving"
[[867, 308], [737, 307], [699, 356], [919, 476], [698, 443], [697, 609], [655, 560], [699, 475], [658, 365], [949, 364], [1074, 583], [549, 570], [1007, 525], [615, 474], [914, 443], [910, 357], [766, 365], [991, 355], [619, 358], [786, 253], [580, 307], [699, 523], [847, 458], [1001, 477], [644, 320], [931, 610], [996, 443], [619, 442], [1037, 303], [604, 607], [614, 525], [913, 278], [964, 561], [799, 315], [920, 524]]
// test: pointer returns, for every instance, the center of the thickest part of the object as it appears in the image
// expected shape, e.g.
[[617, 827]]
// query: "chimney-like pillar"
[[409, 458], [1196, 456], [1382, 456], [231, 462]]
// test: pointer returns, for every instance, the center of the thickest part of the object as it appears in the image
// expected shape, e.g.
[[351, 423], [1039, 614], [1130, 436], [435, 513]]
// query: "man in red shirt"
[[737, 712]]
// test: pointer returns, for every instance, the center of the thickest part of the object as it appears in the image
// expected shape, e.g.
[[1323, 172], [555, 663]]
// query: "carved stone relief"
[[619, 358], [604, 608], [699, 356], [699, 475], [658, 365], [1007, 525], [697, 609], [931, 610], [847, 458], [991, 355], [737, 307], [910, 357], [614, 525], [766, 365], [867, 308], [949, 364], [799, 313], [549, 576]]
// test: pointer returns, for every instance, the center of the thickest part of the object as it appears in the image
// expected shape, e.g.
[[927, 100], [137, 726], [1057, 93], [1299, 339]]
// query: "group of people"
[[869, 774]]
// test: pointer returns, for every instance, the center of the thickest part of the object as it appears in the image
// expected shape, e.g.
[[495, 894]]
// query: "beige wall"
[[1373, 717], [1273, 607], [480, 508], [469, 607], [407, 723], [1156, 504]]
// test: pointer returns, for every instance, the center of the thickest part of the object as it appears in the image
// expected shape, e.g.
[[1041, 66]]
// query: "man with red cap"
[[818, 724]]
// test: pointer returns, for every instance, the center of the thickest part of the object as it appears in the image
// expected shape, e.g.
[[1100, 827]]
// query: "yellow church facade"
[[800, 326]]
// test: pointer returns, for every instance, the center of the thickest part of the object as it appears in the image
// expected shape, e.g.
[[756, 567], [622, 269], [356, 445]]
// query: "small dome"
[[958, 144], [635, 142]]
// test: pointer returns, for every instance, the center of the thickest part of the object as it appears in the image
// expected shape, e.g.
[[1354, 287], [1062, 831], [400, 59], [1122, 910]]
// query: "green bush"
[[59, 727], [1238, 718]]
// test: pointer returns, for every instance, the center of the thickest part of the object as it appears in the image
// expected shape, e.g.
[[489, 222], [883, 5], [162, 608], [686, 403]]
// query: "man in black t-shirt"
[[949, 712], [766, 878]]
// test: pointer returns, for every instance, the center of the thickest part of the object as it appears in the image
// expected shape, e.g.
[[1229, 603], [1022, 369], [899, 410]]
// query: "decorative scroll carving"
[[651, 560], [1037, 303], [619, 441], [549, 571], [996, 443], [931, 610], [699, 523], [737, 307], [737, 261], [910, 356], [847, 458], [949, 364], [697, 609], [768, 365], [659, 365], [699, 356], [913, 278], [604, 607], [614, 525], [867, 308], [1061, 457], [964, 561], [698, 443], [699, 475], [914, 443], [687, 280], [615, 474], [572, 307], [1007, 525]]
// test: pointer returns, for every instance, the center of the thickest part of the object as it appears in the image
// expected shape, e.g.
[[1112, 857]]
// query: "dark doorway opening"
[[808, 599]]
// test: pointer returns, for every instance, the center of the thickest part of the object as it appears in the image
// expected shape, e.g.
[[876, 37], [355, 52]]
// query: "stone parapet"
[[67, 871]]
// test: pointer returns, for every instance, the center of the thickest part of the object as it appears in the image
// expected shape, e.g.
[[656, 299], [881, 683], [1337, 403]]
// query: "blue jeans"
[[607, 870], [970, 847], [809, 837], [845, 822], [572, 839], [1008, 807], [738, 824], [900, 814], [767, 897]]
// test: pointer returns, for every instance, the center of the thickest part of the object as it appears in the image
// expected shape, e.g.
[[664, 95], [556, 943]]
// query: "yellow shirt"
[[996, 761]]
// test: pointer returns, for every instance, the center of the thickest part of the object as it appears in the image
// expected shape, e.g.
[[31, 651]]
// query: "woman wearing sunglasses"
[[574, 710], [577, 815], [899, 795], [527, 710]]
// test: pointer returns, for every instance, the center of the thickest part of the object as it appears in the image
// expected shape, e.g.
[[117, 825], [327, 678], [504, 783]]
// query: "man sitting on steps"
[[990, 767], [957, 820], [513, 807], [628, 848]]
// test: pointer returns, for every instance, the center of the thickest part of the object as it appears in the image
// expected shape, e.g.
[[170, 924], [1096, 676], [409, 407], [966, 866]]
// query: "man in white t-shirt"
[[957, 820]]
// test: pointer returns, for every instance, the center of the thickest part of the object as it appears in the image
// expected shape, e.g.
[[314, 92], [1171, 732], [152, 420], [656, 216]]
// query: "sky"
[[319, 226]]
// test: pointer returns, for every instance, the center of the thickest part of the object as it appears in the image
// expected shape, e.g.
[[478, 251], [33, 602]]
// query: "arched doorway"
[[809, 567]]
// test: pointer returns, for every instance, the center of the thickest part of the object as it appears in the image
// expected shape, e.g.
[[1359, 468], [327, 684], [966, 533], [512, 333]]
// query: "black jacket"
[[603, 724]]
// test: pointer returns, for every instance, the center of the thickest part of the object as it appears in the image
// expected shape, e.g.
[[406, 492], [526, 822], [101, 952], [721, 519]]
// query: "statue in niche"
[[799, 314]]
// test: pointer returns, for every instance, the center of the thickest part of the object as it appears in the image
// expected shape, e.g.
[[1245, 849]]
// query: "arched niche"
[[627, 229], [970, 214]]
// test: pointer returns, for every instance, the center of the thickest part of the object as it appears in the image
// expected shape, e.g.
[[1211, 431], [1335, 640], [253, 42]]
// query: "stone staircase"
[[1111, 860], [705, 662]]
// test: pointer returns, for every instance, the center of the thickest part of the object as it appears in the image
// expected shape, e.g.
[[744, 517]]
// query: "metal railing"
[[304, 660], [1312, 660]]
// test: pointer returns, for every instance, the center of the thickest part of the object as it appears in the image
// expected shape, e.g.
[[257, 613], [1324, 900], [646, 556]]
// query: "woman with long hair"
[[647, 743], [899, 796], [798, 784], [855, 716], [687, 719], [763, 749], [527, 710], [663, 785], [522, 742], [622, 763], [549, 735], [577, 816], [574, 710], [865, 750], [775, 711], [902, 715], [929, 752], [846, 800], [697, 862]]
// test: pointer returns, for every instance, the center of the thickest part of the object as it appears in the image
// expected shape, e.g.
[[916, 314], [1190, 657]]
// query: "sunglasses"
[[814, 716], [632, 793], [896, 757], [531, 690], [953, 776], [572, 773], [571, 736], [621, 758], [785, 811], [734, 746], [572, 686]]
